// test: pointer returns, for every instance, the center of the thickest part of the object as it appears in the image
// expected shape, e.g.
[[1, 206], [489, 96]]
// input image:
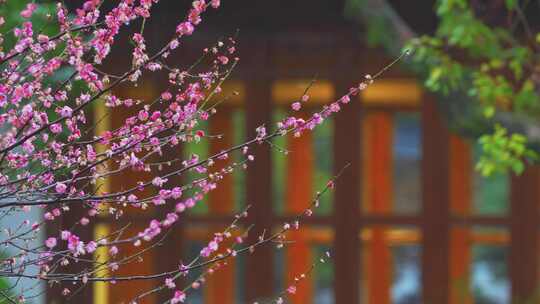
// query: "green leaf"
[[538, 37], [489, 111], [510, 4], [487, 169], [518, 167], [496, 63], [436, 73]]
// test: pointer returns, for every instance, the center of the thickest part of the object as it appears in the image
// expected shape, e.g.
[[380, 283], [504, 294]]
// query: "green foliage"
[[527, 99], [443, 73], [490, 90], [510, 4], [41, 21], [493, 66], [5, 285], [502, 152], [376, 32], [461, 29], [488, 62]]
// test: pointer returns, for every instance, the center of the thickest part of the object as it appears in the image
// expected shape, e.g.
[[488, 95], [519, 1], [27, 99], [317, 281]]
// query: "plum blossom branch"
[[50, 161]]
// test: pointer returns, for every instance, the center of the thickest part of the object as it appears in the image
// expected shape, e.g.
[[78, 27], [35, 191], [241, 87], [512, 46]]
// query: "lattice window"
[[425, 220]]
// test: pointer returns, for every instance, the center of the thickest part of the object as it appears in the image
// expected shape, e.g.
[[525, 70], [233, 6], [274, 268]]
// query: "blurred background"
[[410, 221]]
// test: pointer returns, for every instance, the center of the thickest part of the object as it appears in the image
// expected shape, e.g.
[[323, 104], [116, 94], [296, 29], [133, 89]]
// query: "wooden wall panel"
[[524, 241], [435, 205], [347, 150], [260, 274]]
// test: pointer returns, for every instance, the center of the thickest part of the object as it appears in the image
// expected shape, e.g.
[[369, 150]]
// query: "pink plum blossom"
[[50, 242]]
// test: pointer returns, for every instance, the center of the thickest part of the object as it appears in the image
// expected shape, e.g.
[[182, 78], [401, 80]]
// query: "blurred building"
[[409, 221]]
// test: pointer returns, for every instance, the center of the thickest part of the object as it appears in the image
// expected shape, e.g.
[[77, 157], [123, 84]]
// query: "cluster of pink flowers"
[[212, 246], [48, 159], [299, 125], [179, 297], [27, 95]]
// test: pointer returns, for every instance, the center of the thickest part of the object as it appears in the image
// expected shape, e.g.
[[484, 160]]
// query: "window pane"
[[407, 154], [191, 250], [323, 277], [240, 277], [490, 283], [201, 149], [391, 265], [479, 270], [307, 247], [226, 283], [279, 165], [239, 175], [323, 151], [391, 152], [406, 280], [27, 287], [279, 270], [491, 194]]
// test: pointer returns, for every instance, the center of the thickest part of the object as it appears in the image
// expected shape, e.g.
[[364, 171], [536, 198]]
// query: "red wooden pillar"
[[460, 202], [125, 291], [298, 198], [436, 206], [524, 242], [220, 287], [347, 138], [379, 141]]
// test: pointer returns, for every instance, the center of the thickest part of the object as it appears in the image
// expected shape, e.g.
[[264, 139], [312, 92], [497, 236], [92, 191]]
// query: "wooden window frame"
[[444, 222]]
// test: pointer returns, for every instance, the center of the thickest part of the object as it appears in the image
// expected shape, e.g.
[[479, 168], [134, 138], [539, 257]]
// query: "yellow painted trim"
[[102, 118], [399, 92], [392, 92], [101, 255], [493, 238], [314, 235], [145, 92], [233, 91], [289, 91], [395, 236]]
